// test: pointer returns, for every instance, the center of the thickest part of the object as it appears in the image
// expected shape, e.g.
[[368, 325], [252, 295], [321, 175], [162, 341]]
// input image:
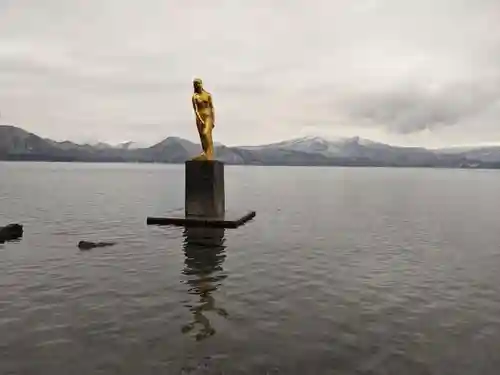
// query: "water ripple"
[[329, 278]]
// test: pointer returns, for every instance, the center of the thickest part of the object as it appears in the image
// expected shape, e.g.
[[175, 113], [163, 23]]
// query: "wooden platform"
[[230, 220]]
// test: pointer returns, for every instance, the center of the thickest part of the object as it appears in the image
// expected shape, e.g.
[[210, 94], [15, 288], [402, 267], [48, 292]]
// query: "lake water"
[[343, 271]]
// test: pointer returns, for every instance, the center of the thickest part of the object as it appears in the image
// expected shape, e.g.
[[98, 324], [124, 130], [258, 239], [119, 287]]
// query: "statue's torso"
[[202, 101]]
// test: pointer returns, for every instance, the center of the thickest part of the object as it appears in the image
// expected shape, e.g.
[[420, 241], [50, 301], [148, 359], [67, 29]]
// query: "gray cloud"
[[413, 109], [397, 70]]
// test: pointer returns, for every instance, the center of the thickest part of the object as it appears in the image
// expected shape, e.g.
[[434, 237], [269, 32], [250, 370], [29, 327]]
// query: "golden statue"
[[205, 119]]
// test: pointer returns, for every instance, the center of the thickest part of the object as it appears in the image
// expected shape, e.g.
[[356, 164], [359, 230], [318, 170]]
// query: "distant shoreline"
[[360, 165]]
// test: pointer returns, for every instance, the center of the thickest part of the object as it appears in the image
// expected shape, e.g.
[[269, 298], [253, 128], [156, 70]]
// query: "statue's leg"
[[204, 143], [203, 155], [209, 149]]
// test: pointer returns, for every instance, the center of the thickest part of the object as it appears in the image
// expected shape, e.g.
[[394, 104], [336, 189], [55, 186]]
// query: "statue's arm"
[[195, 108], [212, 108]]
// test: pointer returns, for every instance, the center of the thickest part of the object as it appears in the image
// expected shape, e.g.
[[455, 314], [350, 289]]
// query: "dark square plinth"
[[205, 202], [229, 220], [204, 189]]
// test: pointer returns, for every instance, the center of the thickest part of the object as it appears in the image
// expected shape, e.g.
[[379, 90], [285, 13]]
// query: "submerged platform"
[[230, 220]]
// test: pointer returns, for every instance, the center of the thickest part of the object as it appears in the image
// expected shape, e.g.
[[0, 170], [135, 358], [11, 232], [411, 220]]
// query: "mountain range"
[[19, 144]]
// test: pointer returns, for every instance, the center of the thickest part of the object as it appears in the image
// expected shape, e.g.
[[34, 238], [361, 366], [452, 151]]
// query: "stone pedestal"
[[205, 204], [204, 189]]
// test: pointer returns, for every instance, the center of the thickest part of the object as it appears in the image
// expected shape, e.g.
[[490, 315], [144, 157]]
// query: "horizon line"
[[216, 143]]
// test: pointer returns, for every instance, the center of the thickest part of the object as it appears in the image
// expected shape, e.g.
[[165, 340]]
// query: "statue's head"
[[197, 85]]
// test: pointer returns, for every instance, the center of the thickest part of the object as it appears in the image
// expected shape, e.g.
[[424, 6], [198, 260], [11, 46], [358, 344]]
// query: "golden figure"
[[205, 119]]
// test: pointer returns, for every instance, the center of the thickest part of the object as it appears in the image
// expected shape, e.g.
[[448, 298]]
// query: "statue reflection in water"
[[204, 250]]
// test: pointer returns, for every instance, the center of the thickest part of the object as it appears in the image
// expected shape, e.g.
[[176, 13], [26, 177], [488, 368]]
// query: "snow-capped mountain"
[[483, 153], [339, 147], [128, 145]]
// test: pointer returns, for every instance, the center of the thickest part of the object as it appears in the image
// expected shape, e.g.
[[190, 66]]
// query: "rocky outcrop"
[[11, 232], [87, 245]]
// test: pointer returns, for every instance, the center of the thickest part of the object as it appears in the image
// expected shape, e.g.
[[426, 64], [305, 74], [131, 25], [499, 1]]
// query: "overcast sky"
[[423, 72]]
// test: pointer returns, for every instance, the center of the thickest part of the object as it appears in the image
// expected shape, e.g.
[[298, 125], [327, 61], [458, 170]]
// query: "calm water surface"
[[343, 271]]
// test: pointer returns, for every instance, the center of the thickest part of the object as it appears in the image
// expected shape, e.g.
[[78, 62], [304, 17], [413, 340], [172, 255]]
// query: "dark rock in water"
[[11, 232], [87, 245]]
